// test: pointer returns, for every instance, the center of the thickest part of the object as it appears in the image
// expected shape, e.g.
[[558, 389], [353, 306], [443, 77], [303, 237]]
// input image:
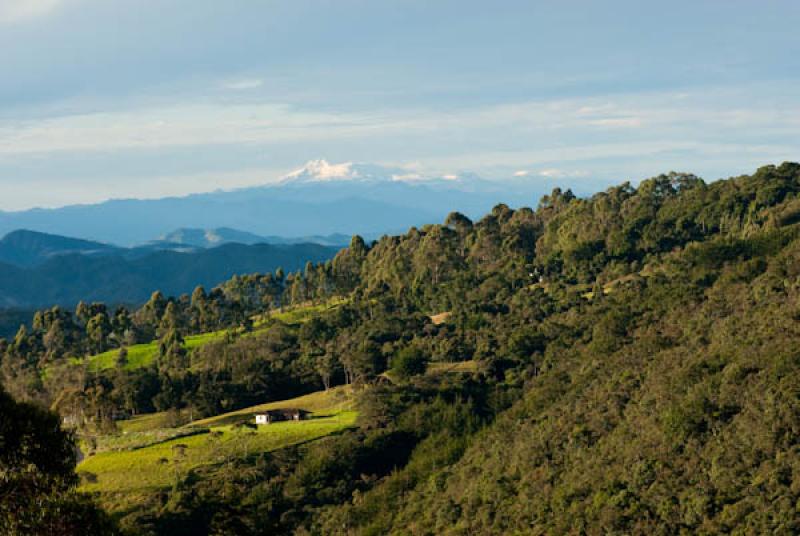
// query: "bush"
[[409, 362]]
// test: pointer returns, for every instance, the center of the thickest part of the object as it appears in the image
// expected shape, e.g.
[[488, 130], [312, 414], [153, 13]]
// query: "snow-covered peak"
[[324, 171], [319, 171]]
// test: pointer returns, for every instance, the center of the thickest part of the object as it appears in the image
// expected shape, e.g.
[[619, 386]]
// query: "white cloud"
[[554, 173], [591, 110], [408, 177], [178, 126], [243, 84], [623, 122], [556, 127], [550, 173], [21, 10]]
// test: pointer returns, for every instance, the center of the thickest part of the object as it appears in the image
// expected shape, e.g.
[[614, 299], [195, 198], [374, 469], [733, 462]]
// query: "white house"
[[283, 414]]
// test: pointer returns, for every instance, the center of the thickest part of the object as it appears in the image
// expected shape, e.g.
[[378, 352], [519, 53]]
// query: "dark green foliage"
[[409, 362], [37, 479]]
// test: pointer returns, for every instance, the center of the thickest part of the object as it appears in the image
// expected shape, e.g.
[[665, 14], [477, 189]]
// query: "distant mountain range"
[[129, 248], [25, 248], [40, 270], [208, 238], [320, 199]]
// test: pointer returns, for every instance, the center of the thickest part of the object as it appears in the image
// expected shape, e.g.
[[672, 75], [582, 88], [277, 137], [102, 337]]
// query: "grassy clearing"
[[148, 458], [298, 315], [158, 466], [153, 421], [142, 355], [329, 402], [461, 366], [320, 403], [142, 439]]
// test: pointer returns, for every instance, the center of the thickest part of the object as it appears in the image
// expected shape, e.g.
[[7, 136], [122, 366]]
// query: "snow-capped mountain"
[[316, 171], [319, 199], [322, 171]]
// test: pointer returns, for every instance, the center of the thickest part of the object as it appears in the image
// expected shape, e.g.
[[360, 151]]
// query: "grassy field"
[[140, 462], [152, 421], [142, 439], [460, 366], [435, 369], [329, 402], [298, 315], [157, 466], [142, 355]]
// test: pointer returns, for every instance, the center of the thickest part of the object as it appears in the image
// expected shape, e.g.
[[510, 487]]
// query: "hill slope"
[[29, 248], [667, 418], [661, 402], [633, 370], [70, 278]]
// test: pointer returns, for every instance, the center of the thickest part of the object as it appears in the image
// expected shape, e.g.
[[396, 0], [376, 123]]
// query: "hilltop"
[[28, 248]]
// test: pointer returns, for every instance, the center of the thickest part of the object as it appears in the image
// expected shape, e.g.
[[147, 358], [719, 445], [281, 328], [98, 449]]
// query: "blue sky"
[[146, 98]]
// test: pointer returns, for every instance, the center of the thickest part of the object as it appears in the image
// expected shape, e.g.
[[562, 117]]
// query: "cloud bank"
[[12, 11]]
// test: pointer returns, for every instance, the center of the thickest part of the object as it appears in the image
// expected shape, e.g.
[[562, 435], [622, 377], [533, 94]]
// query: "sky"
[[150, 98]]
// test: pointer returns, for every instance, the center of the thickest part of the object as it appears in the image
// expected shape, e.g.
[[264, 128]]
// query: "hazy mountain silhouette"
[[318, 199]]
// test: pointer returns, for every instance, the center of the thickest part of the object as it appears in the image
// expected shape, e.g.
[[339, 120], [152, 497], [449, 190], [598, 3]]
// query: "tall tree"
[[37, 477]]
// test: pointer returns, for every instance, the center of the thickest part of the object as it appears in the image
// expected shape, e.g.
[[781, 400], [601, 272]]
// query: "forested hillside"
[[633, 369]]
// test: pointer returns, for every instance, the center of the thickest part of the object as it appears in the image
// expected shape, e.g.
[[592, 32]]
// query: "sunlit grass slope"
[[147, 460], [328, 402], [142, 355]]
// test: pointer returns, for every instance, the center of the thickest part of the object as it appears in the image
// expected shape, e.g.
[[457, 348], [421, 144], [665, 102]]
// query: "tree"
[[347, 264], [170, 321], [121, 323], [326, 366], [82, 313], [199, 305], [37, 477], [409, 362], [97, 330], [458, 222], [122, 358], [171, 350], [55, 340], [149, 315]]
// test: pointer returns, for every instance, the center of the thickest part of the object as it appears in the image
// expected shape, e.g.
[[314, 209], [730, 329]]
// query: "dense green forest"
[[635, 371]]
